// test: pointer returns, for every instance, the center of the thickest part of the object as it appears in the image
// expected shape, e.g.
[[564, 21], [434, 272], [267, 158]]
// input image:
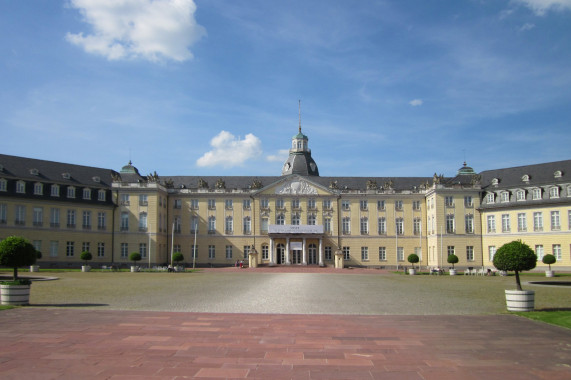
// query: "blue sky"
[[211, 87]]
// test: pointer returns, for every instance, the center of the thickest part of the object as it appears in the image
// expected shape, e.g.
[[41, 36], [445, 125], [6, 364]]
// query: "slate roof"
[[540, 174], [50, 171]]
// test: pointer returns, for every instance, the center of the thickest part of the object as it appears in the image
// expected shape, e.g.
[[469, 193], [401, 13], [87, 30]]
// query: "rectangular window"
[[450, 250], [555, 222], [280, 204], [557, 251], [124, 200], [506, 223], [194, 251], [327, 225], [3, 184], [69, 249], [364, 226], [3, 213], [400, 253], [416, 226], [143, 200], [311, 204], [537, 221], [327, 204], [228, 204], [265, 252], [247, 223], [54, 217], [468, 201], [177, 204], [177, 224], [38, 216], [20, 219], [211, 252], [87, 194], [21, 187], [194, 224], [101, 221], [101, 195], [364, 205], [554, 192], [345, 205], [246, 204], [212, 204], [38, 189], [85, 247], [491, 252], [71, 192], [70, 218], [86, 220], [229, 226], [469, 220], [124, 221], [143, 221], [491, 223], [143, 250], [521, 222], [418, 252], [382, 254], [54, 191], [54, 246], [328, 255], [346, 253], [505, 196], [470, 253], [100, 249], [450, 224], [265, 203], [490, 198], [365, 253], [380, 205], [295, 203], [520, 195], [346, 226], [311, 220], [398, 205], [449, 201], [399, 224], [539, 251], [416, 205], [295, 219], [194, 204], [246, 251], [264, 225], [536, 194], [124, 250], [382, 226]]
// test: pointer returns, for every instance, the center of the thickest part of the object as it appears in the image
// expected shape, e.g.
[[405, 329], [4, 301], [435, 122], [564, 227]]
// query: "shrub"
[[86, 256], [177, 257], [452, 259], [17, 252], [413, 259], [134, 257], [515, 256], [549, 259]]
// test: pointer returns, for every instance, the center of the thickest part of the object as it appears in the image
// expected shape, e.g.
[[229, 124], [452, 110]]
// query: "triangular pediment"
[[295, 185]]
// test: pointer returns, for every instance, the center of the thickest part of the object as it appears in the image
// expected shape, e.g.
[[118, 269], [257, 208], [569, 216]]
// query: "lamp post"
[[194, 245]]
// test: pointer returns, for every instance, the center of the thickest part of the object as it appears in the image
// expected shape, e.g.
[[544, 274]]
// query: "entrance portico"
[[302, 244]]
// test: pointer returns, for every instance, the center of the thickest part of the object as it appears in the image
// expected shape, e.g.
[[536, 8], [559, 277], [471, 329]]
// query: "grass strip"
[[560, 318]]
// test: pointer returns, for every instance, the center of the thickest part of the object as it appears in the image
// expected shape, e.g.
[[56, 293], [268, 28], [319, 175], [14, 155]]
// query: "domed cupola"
[[466, 170], [299, 160]]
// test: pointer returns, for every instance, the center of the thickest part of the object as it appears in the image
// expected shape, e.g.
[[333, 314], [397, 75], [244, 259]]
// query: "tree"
[[17, 252], [452, 259], [413, 259], [134, 257], [177, 257], [515, 256], [549, 259], [86, 256]]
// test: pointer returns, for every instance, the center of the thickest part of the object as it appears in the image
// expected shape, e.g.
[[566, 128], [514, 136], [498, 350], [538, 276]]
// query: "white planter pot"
[[85, 268], [15, 294], [452, 272], [412, 272], [549, 273], [34, 268], [520, 300], [134, 268]]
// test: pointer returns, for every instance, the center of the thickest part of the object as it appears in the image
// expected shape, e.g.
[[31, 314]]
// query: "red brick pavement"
[[50, 343]]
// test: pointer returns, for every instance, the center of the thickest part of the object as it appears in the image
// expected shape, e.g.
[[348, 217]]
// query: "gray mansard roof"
[[539, 174]]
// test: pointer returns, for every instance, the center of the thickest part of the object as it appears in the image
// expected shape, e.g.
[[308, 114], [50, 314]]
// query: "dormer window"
[[101, 195], [3, 184], [66, 175], [490, 198], [86, 193], [536, 193], [520, 195], [21, 187], [558, 174], [1, 168], [55, 191], [71, 192], [525, 178], [554, 192], [34, 172], [495, 181], [38, 188], [505, 196], [96, 179]]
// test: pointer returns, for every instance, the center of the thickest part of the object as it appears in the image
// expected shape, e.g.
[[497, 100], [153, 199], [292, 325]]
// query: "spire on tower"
[[299, 102]]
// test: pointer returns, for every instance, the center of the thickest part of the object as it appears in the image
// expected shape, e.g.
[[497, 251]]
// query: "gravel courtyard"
[[231, 290]]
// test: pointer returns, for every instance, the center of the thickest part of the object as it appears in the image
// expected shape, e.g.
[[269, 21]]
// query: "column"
[[304, 260], [272, 259], [321, 251], [287, 257]]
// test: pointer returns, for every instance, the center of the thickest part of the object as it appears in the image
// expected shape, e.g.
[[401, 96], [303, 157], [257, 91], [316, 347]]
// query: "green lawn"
[[555, 317]]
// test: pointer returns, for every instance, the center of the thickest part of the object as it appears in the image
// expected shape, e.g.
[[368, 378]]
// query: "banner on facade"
[[291, 229], [296, 245]]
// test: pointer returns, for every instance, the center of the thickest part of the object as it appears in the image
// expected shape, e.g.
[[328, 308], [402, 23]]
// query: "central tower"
[[299, 160]]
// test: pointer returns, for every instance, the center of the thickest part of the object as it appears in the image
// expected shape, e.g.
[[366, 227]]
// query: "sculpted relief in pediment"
[[297, 187]]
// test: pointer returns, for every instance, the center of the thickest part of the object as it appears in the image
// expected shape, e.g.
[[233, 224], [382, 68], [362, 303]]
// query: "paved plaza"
[[99, 338]]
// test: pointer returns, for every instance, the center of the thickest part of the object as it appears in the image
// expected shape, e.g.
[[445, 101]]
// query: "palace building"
[[297, 218]]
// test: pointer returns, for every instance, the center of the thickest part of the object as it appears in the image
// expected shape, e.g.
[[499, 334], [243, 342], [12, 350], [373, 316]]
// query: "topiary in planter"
[[86, 256], [177, 257], [515, 256], [413, 259], [452, 259], [549, 259], [17, 252], [134, 257]]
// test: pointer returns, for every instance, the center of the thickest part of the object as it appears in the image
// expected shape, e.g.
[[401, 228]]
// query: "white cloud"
[[526, 26], [281, 156], [229, 151], [539, 7], [146, 29], [416, 102]]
